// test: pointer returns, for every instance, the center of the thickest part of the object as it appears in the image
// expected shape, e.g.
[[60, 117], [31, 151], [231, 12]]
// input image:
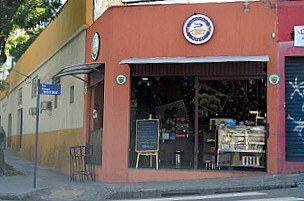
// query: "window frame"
[[56, 81], [72, 94], [20, 96], [34, 87]]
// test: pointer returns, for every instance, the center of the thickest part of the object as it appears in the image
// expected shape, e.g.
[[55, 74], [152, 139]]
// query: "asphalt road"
[[286, 194]]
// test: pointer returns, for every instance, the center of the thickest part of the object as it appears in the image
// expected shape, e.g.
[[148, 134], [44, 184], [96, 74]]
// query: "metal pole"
[[36, 136]]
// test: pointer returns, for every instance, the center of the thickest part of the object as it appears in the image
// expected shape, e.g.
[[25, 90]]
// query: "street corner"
[[61, 193], [66, 191]]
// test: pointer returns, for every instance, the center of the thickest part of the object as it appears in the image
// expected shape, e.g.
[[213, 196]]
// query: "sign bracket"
[[80, 79]]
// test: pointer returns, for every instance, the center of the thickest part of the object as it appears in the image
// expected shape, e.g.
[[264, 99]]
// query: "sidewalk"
[[52, 185]]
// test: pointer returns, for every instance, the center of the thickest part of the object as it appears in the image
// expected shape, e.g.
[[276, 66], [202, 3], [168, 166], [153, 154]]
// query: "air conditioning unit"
[[46, 105], [32, 111]]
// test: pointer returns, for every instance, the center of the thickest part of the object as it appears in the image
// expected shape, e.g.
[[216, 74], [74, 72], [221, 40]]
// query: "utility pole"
[[36, 135]]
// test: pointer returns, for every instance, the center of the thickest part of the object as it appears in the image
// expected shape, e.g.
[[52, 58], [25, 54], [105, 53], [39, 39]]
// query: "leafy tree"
[[17, 45], [23, 14]]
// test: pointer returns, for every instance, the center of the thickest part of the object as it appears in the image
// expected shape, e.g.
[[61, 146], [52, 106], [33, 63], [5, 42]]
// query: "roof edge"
[[216, 59]]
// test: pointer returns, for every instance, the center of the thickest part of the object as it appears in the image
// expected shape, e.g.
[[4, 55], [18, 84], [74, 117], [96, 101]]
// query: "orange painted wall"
[[142, 175], [156, 31]]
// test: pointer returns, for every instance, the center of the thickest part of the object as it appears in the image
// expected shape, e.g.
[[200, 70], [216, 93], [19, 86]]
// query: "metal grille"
[[97, 146], [82, 163], [294, 109]]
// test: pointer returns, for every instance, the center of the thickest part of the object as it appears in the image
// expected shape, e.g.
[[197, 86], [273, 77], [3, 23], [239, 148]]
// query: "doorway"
[[19, 127]]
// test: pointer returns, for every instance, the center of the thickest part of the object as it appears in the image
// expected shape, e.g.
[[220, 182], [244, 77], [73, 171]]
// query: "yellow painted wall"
[[74, 14], [53, 148]]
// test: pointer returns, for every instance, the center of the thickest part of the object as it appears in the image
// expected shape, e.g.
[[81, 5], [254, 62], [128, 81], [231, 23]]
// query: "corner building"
[[217, 111], [290, 65], [61, 44]]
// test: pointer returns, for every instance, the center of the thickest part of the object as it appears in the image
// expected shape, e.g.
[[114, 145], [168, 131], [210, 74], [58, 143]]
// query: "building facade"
[[290, 68], [176, 92], [195, 72], [61, 44]]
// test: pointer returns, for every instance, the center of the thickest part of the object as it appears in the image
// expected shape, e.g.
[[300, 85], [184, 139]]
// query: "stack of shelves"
[[241, 146], [209, 149]]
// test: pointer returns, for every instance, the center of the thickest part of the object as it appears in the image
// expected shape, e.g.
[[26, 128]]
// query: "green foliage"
[[26, 15], [3, 85], [23, 14], [19, 44]]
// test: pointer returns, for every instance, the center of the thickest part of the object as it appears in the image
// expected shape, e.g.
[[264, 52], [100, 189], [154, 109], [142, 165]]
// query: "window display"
[[231, 115], [241, 146]]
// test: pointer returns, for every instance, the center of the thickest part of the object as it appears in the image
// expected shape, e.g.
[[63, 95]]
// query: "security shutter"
[[294, 99]]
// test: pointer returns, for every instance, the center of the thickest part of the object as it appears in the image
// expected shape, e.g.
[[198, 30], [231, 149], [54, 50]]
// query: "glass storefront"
[[230, 117]]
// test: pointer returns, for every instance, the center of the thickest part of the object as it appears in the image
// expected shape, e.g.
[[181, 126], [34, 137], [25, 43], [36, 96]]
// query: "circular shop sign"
[[121, 79], [274, 79], [95, 46], [198, 29]]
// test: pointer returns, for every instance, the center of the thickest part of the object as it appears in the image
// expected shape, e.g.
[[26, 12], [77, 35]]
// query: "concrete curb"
[[14, 196], [19, 196], [184, 192]]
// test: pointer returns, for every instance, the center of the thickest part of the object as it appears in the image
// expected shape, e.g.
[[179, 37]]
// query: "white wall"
[[66, 116]]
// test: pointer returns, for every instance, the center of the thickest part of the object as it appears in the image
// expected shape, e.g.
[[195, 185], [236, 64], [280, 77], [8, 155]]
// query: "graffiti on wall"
[[298, 89]]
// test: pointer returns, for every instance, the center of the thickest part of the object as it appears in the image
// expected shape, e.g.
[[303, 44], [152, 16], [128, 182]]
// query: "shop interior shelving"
[[241, 146], [209, 148]]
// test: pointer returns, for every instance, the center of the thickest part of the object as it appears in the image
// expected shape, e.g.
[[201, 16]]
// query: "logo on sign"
[[274, 79], [301, 31], [95, 46], [299, 36], [198, 29], [121, 79]]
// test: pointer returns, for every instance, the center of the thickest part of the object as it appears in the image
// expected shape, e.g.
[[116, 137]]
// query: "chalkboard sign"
[[147, 135]]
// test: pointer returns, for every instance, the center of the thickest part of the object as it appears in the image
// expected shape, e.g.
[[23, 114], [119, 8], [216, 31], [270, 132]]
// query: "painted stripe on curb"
[[225, 195], [275, 199]]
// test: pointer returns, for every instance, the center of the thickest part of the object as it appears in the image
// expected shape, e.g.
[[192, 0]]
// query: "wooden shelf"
[[249, 166], [208, 141], [258, 143], [241, 151], [256, 134]]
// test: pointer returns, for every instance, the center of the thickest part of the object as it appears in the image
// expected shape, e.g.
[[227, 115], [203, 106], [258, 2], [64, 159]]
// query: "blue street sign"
[[50, 89]]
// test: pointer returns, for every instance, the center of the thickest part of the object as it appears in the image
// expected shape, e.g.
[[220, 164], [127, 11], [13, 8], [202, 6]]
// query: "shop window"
[[71, 94], [231, 120], [34, 87], [56, 81], [169, 99]]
